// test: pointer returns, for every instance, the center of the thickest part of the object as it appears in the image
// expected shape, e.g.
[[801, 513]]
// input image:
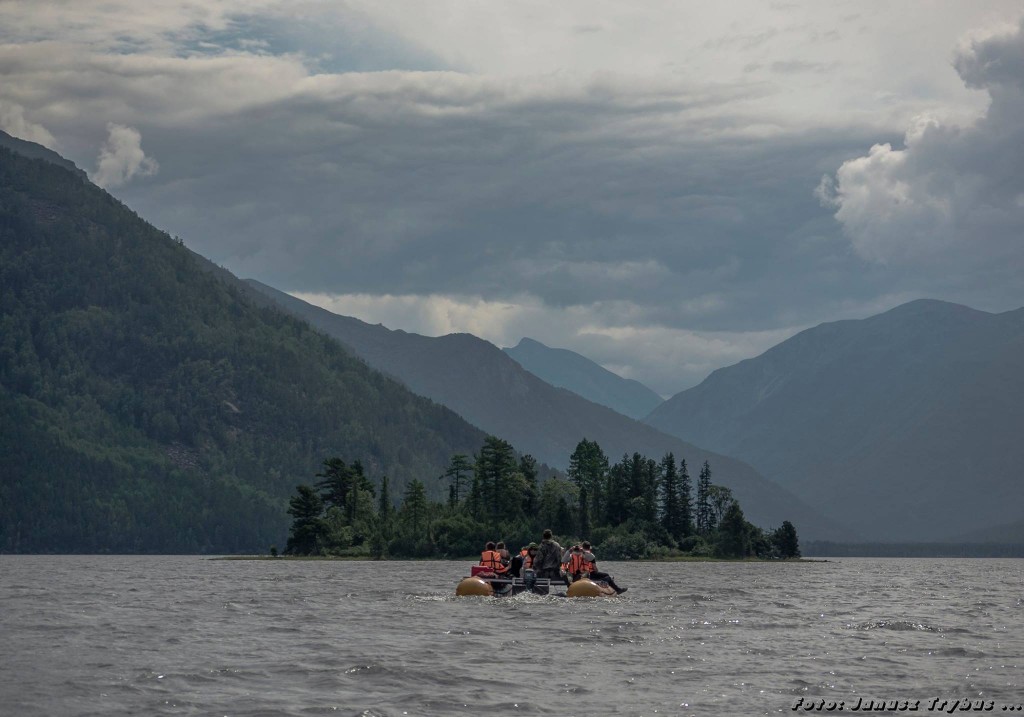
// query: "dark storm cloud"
[[662, 224], [432, 184]]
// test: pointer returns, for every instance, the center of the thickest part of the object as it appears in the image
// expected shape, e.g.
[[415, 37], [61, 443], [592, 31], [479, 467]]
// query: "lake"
[[186, 635]]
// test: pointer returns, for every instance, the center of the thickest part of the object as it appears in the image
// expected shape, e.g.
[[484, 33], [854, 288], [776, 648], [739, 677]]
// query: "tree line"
[[636, 508]]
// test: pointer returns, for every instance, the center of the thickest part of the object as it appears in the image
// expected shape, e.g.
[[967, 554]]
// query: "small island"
[[636, 509]]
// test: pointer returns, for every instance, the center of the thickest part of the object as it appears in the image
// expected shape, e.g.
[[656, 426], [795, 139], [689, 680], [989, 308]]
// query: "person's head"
[[586, 545], [532, 547], [489, 546], [577, 549], [547, 535], [500, 545]]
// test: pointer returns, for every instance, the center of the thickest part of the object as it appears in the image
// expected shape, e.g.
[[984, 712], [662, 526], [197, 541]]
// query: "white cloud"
[[951, 193], [121, 158], [14, 122]]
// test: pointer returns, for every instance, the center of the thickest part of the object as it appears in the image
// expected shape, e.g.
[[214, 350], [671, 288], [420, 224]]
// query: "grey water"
[[171, 635]]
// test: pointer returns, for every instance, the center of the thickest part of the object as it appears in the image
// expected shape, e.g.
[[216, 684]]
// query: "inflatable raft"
[[483, 583]]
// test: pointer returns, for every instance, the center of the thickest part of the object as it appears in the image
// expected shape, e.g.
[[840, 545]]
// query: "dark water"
[[190, 636]]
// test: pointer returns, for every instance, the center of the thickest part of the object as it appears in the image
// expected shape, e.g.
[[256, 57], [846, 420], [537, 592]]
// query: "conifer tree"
[[415, 509], [531, 494], [704, 517], [671, 504], [685, 498], [494, 479], [785, 541], [588, 468], [733, 534], [307, 527], [458, 469], [385, 520]]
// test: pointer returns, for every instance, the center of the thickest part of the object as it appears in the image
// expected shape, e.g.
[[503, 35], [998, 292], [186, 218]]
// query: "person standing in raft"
[[491, 559], [590, 565], [548, 562]]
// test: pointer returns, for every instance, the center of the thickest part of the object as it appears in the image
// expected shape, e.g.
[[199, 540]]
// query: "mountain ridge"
[[864, 413], [148, 405], [577, 373]]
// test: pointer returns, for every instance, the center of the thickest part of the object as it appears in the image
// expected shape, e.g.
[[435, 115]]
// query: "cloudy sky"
[[664, 187]]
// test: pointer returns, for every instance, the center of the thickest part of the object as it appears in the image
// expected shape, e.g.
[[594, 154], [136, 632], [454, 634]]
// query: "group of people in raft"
[[548, 560]]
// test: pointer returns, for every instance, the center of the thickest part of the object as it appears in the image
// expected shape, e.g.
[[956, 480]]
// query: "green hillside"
[[146, 405]]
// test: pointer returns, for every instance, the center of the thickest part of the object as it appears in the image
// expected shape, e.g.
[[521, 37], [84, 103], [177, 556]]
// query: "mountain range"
[[484, 385], [569, 370], [906, 425]]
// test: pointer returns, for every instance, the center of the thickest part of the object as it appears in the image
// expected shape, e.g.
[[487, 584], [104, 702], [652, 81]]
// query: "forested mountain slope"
[[485, 386], [148, 405], [907, 424], [569, 370]]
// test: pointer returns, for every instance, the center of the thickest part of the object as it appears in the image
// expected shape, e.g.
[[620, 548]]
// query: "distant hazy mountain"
[[1006, 533], [907, 425], [490, 390], [567, 369]]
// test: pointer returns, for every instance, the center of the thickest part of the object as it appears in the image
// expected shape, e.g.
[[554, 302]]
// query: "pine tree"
[[616, 508], [531, 493], [588, 467], [415, 509], [458, 468], [671, 504], [704, 517], [685, 499], [733, 534], [385, 520], [493, 474], [307, 527], [785, 540]]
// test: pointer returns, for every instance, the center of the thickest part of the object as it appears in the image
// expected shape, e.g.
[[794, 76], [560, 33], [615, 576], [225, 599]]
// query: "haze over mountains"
[[907, 424], [568, 369], [484, 385]]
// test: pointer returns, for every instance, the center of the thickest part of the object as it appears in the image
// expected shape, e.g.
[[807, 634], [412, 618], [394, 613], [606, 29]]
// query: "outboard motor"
[[529, 579]]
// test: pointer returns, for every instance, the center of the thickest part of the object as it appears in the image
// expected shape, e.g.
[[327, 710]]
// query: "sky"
[[666, 188]]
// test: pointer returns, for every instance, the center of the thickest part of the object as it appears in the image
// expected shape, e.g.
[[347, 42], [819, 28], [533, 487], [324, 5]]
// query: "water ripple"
[[120, 635]]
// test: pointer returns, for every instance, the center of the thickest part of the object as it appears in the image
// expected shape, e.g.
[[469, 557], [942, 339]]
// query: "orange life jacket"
[[492, 559], [578, 565]]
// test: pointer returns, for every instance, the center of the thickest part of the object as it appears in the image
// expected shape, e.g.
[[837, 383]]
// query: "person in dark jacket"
[[548, 563]]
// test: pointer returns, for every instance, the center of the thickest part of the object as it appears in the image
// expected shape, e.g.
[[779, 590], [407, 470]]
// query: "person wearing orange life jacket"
[[575, 564], [491, 559], [595, 574], [531, 556]]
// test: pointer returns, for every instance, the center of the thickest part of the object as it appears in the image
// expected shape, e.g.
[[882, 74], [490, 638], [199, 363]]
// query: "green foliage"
[[733, 534], [308, 527], [148, 405], [784, 540], [705, 514], [422, 529]]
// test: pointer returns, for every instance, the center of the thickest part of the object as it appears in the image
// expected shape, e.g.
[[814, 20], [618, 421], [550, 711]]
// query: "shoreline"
[[473, 559]]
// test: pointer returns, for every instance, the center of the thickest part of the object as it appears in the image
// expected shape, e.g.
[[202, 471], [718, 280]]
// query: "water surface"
[[169, 635]]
